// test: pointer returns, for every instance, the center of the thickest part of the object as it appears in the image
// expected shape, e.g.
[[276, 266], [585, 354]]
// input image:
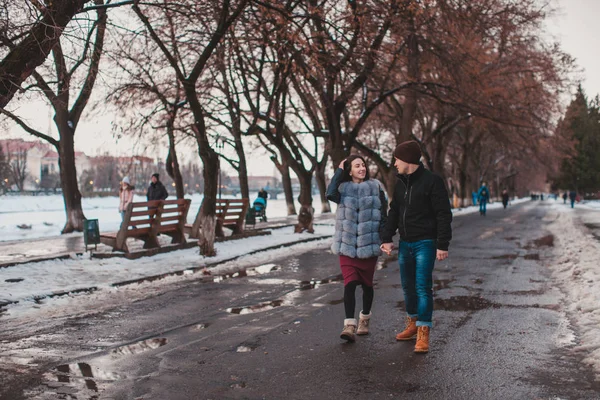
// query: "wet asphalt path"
[[273, 332]]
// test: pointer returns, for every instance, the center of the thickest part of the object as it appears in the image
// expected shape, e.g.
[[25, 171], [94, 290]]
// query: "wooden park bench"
[[146, 220], [230, 213]]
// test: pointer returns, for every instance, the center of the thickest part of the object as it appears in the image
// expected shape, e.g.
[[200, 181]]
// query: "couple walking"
[[419, 211]]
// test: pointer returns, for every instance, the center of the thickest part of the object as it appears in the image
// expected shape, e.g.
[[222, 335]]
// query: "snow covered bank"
[[577, 270], [28, 281], [46, 214]]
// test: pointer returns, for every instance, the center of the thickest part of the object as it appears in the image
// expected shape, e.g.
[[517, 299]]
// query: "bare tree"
[[188, 61], [57, 91]]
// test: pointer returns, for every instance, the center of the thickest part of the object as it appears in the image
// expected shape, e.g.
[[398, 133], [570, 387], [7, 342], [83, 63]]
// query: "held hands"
[[387, 248]]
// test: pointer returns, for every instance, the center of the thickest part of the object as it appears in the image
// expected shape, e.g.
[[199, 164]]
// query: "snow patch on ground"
[[577, 270]]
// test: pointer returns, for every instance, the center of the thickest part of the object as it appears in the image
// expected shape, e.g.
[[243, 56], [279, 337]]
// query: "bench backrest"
[[231, 211], [142, 215]]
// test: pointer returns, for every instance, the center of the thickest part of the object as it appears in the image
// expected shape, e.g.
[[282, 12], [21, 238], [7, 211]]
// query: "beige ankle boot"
[[349, 330], [363, 324], [410, 331]]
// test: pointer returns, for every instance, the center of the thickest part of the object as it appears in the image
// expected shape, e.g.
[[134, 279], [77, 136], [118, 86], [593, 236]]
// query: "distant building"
[[36, 163]]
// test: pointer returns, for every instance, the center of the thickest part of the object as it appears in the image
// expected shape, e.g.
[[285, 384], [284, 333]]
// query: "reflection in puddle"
[[506, 257], [459, 303], [313, 284], [80, 378], [440, 284], [255, 308], [260, 270], [463, 303], [243, 349], [199, 327], [140, 347]]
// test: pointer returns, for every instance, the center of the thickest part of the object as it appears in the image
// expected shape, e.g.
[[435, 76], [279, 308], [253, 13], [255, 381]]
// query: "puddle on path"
[[78, 380], [459, 303], [532, 256], [14, 280], [313, 283], [260, 270], [255, 308], [505, 257], [545, 241], [439, 284], [140, 347], [336, 302]]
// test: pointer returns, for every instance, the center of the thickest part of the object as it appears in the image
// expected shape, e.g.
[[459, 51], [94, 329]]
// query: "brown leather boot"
[[363, 324], [410, 331], [349, 330], [422, 345]]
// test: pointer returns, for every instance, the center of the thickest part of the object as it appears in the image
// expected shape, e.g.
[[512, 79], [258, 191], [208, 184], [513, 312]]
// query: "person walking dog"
[[420, 212], [361, 214]]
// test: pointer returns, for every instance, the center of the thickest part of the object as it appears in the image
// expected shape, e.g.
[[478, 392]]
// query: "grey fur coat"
[[359, 216]]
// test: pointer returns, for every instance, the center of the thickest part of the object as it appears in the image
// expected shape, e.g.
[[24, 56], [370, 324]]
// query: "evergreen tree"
[[580, 169]]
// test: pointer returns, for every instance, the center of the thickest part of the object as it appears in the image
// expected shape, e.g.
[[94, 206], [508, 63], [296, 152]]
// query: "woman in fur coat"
[[361, 213]]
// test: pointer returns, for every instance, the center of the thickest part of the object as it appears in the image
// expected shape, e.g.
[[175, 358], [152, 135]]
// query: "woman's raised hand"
[[342, 164]]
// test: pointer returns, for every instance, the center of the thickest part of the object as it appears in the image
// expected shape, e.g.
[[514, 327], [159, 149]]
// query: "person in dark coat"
[[156, 190], [420, 212], [572, 197], [505, 198], [484, 197], [565, 195]]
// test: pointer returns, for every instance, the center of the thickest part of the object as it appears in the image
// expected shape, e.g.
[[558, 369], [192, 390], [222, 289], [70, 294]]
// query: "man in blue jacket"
[[420, 212], [484, 196]]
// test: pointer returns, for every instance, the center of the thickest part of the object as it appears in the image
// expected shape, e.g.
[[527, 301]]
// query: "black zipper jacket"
[[420, 209]]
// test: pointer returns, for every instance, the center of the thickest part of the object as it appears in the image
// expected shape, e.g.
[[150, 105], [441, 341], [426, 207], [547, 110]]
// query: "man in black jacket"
[[156, 190], [420, 211]]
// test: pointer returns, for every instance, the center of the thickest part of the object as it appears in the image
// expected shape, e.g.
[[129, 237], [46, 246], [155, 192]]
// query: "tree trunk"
[[462, 177], [306, 215], [409, 107], [286, 182], [204, 225], [322, 184], [243, 168], [68, 180], [173, 163]]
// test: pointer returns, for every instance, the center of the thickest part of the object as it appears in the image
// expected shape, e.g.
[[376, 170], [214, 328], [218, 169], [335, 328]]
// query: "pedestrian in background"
[[360, 216], [125, 196], [505, 198], [572, 197], [156, 190], [484, 196], [420, 212], [564, 196]]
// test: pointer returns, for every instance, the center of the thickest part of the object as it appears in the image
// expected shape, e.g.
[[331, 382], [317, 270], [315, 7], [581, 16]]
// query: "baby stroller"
[[260, 208]]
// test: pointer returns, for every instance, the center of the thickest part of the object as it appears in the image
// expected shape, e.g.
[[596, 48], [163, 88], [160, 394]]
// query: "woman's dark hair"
[[348, 166]]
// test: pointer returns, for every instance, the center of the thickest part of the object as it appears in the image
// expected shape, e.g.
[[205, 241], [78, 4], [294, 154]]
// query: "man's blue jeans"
[[416, 261], [482, 206]]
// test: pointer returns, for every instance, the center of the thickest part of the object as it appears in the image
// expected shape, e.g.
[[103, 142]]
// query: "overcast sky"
[[576, 25]]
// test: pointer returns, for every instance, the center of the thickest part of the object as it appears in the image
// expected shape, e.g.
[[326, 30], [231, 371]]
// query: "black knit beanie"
[[409, 152]]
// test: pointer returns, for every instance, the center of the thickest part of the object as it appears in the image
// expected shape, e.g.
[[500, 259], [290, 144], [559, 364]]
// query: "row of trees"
[[308, 81], [580, 128]]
